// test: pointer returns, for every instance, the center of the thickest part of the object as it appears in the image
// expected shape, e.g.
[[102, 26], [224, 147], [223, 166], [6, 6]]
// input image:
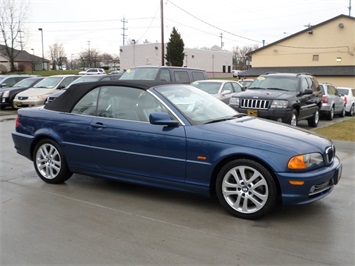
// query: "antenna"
[[349, 7]]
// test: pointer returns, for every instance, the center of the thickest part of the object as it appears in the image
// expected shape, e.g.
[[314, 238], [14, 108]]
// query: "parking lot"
[[93, 221]]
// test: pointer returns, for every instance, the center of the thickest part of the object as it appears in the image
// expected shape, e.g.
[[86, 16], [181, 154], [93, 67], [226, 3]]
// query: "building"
[[325, 50], [217, 62], [24, 61]]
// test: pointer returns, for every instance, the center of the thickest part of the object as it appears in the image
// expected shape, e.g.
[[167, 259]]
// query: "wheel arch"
[[38, 138], [230, 158]]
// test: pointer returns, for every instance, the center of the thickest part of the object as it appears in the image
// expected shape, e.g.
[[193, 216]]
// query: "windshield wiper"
[[225, 118], [276, 89]]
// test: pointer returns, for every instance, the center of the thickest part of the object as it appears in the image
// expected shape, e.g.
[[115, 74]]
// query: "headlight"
[[32, 97], [234, 101], [279, 104], [6, 94], [304, 161]]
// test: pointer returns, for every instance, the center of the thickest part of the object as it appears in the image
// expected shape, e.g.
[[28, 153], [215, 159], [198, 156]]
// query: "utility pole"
[[89, 55], [124, 30], [221, 36], [162, 32], [349, 8]]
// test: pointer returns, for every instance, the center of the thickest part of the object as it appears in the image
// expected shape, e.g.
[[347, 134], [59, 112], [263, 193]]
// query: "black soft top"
[[66, 101]]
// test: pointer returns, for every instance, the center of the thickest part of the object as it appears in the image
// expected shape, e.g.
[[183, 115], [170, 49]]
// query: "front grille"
[[22, 98], [329, 154], [254, 103]]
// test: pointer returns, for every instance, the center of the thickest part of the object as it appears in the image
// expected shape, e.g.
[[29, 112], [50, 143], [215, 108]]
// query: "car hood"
[[265, 134], [264, 94], [36, 92]]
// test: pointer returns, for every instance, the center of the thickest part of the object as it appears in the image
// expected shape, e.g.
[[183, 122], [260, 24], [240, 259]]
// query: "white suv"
[[93, 71], [349, 98]]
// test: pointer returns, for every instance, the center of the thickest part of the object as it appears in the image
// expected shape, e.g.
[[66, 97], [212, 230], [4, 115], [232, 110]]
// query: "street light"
[[41, 30], [33, 54]]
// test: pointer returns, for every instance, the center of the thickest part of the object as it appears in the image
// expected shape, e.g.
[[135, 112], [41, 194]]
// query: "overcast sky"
[[78, 24]]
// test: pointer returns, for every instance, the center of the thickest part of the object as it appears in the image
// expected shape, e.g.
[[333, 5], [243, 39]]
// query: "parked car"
[[221, 89], [93, 71], [332, 103], [349, 99], [237, 72], [81, 79], [7, 94], [38, 94], [165, 73], [284, 97], [11, 80], [175, 136]]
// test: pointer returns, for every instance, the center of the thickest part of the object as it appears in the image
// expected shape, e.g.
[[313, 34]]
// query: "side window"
[[331, 90], [87, 104], [236, 87], [304, 84], [164, 75], [182, 76], [66, 82], [147, 104], [227, 86], [197, 75], [118, 102]]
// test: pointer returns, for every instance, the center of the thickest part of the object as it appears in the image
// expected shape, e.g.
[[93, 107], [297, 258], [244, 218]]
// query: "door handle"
[[98, 125]]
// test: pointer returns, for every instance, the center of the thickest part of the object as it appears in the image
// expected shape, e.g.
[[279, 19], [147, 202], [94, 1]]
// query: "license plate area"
[[252, 112]]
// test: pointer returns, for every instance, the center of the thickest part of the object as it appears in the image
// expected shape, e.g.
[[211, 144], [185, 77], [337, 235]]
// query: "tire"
[[314, 120], [50, 163], [246, 189], [294, 118], [330, 115], [351, 112], [342, 114]]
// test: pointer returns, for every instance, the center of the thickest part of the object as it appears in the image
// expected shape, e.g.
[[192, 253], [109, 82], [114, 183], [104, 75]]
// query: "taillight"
[[325, 99], [345, 99], [17, 124]]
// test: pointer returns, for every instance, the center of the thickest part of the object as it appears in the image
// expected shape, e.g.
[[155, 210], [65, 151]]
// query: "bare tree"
[[57, 55], [90, 58], [240, 59], [12, 16]]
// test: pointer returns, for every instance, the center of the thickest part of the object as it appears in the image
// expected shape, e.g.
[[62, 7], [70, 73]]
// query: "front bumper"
[[28, 103], [281, 115], [317, 184]]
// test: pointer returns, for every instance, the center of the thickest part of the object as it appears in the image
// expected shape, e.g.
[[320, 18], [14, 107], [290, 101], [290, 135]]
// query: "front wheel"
[[294, 118], [50, 163], [246, 189]]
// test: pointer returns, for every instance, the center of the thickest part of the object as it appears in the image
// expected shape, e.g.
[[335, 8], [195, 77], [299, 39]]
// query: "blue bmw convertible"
[[175, 136]]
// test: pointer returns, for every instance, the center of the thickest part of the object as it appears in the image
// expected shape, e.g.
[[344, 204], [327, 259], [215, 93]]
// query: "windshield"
[[25, 82], [48, 83], [145, 73], [275, 83], [197, 106], [209, 87]]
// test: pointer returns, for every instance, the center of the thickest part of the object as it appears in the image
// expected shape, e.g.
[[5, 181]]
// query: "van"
[[165, 73]]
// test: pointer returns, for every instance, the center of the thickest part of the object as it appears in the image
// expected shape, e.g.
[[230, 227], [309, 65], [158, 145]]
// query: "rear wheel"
[[330, 114], [351, 112], [342, 114], [246, 189], [314, 120], [50, 163]]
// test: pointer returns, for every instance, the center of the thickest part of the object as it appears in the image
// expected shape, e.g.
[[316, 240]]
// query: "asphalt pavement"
[[93, 221]]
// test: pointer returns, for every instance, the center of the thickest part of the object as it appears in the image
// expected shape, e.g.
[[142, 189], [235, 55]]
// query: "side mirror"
[[308, 91], [162, 119]]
